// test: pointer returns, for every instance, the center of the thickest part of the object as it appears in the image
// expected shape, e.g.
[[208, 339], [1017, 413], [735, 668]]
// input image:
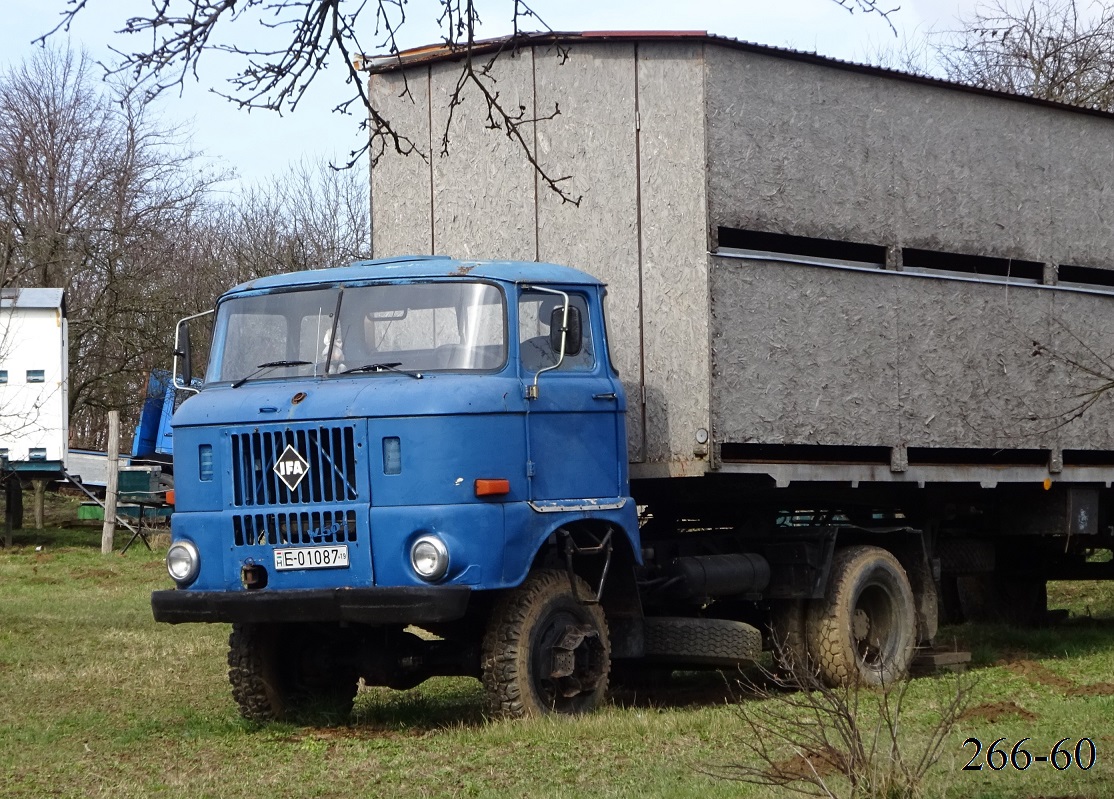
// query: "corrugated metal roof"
[[32, 298], [442, 52]]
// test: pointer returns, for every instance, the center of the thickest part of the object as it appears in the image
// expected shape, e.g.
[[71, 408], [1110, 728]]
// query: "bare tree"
[[320, 217], [1059, 50], [90, 187], [301, 38], [309, 217]]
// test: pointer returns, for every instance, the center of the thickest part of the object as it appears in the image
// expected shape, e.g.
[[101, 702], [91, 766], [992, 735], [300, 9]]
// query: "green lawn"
[[98, 700]]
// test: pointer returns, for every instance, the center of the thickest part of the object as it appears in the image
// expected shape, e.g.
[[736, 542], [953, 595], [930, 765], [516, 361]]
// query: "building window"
[[3, 376], [36, 376]]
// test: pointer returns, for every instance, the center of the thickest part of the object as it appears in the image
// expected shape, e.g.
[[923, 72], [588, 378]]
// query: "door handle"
[[608, 396]]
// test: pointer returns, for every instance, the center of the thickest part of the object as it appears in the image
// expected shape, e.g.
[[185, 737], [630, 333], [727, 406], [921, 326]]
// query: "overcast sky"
[[260, 144]]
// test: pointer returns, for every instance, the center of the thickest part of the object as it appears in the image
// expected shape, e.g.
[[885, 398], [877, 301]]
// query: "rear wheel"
[[544, 651], [865, 629]]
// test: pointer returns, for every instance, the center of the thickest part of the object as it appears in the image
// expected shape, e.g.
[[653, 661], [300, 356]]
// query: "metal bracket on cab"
[[571, 548]]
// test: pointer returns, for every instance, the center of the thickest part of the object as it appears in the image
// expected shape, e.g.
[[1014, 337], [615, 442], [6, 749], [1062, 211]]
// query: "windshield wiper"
[[383, 367], [269, 365]]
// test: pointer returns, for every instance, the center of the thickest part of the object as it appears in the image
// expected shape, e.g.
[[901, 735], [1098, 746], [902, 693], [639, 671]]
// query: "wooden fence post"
[[109, 529], [38, 488]]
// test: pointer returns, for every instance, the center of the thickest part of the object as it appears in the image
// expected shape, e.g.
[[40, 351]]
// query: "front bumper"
[[407, 605]]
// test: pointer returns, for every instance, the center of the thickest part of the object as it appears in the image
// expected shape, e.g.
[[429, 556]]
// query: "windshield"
[[420, 327]]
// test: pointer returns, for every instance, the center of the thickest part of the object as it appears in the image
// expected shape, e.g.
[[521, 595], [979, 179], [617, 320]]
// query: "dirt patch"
[[353, 732], [98, 575], [1095, 689], [801, 767], [996, 711], [1040, 674]]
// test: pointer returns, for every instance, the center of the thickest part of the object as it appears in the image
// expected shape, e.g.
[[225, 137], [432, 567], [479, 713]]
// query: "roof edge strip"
[[429, 54]]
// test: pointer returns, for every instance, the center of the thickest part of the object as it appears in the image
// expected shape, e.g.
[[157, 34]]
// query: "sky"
[[257, 145]]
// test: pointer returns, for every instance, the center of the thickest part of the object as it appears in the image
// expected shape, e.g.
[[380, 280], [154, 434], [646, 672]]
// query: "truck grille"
[[330, 453], [316, 527]]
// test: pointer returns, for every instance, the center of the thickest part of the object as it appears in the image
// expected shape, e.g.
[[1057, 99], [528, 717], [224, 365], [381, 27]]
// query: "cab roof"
[[413, 267]]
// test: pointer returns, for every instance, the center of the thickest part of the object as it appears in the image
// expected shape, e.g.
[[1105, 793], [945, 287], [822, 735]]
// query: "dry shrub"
[[850, 741]]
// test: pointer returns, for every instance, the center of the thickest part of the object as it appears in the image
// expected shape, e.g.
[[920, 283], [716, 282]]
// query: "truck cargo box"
[[817, 270]]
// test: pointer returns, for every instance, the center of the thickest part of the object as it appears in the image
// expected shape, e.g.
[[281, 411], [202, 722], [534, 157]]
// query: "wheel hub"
[[576, 664], [860, 624]]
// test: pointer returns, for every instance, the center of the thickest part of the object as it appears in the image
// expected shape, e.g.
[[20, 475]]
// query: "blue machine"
[[153, 439], [416, 441]]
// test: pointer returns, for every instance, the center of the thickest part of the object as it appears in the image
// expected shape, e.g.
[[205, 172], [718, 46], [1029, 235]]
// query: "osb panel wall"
[[635, 154], [674, 260], [483, 198], [818, 151], [400, 185], [487, 203], [814, 355], [803, 355], [592, 142]]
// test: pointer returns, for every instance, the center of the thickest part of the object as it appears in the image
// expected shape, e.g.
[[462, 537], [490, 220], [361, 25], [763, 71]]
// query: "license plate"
[[311, 558]]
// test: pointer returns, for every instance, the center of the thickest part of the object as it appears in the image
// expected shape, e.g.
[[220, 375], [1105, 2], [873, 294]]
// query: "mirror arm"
[[181, 351], [532, 390]]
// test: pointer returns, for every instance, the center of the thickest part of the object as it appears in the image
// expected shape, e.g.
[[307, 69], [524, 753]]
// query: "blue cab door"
[[573, 426]]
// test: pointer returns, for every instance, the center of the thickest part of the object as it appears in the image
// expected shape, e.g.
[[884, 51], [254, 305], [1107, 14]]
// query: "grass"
[[98, 700]]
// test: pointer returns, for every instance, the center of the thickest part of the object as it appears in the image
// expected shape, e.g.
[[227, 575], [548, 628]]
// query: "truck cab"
[[417, 441]]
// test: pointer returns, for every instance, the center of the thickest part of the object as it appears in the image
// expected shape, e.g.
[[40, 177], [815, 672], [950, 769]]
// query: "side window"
[[535, 311]]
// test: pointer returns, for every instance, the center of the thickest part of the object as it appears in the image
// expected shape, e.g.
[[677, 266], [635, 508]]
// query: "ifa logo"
[[291, 467]]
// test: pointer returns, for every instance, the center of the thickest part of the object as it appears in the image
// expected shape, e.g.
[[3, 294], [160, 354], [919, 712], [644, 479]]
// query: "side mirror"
[[574, 336], [183, 351], [183, 354]]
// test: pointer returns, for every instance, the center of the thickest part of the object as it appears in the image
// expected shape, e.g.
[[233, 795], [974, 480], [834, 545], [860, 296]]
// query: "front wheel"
[[280, 671], [544, 651], [865, 628]]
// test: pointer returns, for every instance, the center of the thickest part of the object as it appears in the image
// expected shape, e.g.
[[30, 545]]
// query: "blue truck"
[[377, 447], [419, 467]]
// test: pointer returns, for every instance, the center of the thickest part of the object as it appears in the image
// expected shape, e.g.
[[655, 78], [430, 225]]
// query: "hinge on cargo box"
[[899, 459], [1055, 460], [529, 468]]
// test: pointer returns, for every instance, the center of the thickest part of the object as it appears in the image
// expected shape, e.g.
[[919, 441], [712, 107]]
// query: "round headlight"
[[183, 562], [429, 557]]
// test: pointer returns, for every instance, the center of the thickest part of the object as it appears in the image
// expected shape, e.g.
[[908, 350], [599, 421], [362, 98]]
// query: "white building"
[[34, 417]]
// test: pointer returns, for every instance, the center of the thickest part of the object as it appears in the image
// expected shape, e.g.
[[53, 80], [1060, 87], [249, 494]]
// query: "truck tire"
[[719, 643], [544, 651], [865, 629], [280, 671]]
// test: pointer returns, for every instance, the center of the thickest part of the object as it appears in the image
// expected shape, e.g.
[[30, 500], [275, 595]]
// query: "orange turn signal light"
[[170, 497], [492, 488]]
